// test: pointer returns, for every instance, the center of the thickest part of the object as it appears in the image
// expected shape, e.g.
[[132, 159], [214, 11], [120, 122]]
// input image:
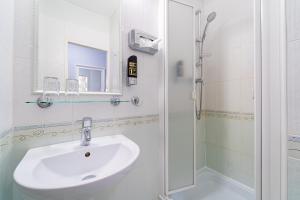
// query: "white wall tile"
[[139, 14], [229, 78], [247, 96], [293, 17], [6, 63], [210, 95], [210, 69], [228, 96], [6, 95], [148, 68], [293, 82], [230, 46]]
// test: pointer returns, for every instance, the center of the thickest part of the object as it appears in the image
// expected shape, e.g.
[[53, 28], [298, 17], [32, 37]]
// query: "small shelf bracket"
[[115, 101], [44, 102]]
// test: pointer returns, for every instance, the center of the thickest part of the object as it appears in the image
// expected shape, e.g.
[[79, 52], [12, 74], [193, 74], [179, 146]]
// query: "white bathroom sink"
[[69, 165]]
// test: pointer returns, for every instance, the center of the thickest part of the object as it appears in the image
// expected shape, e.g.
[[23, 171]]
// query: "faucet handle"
[[87, 122]]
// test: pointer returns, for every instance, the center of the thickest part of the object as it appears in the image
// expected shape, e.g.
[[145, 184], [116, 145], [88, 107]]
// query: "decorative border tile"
[[228, 115], [22, 134], [5, 138], [5, 133], [293, 145], [292, 137], [5, 141]]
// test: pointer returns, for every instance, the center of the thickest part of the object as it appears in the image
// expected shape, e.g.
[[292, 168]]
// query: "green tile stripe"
[[228, 115], [21, 134]]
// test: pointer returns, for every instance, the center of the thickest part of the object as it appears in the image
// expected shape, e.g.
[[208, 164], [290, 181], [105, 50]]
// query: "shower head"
[[211, 17]]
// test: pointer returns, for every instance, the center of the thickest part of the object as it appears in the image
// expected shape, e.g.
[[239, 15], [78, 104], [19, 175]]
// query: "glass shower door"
[[180, 105]]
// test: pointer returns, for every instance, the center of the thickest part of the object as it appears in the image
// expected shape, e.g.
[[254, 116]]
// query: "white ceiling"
[[103, 7]]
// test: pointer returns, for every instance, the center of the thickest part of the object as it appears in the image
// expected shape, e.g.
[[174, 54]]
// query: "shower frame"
[[260, 184], [274, 100], [167, 192]]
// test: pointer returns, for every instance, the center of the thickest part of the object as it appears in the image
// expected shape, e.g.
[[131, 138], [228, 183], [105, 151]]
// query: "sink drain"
[[87, 154], [88, 177]]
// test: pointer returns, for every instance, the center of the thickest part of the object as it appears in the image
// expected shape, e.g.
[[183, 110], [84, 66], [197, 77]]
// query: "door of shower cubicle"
[[180, 117]]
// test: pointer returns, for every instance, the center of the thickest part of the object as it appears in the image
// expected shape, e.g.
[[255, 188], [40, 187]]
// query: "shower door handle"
[[199, 88]]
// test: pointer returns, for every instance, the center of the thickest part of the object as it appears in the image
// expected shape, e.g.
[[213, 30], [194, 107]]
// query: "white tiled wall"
[[293, 68], [293, 71], [143, 181], [230, 148], [229, 67], [6, 63], [6, 86], [137, 14], [229, 88]]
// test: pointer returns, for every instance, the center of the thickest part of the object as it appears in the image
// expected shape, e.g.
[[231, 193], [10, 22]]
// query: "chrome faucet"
[[86, 136]]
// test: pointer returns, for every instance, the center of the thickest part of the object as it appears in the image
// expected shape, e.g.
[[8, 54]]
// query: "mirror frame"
[[35, 79]]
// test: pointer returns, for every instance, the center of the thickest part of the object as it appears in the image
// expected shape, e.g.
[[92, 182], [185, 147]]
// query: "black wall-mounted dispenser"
[[132, 70]]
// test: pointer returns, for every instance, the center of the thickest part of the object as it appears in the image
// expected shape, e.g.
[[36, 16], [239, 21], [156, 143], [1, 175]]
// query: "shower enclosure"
[[209, 100]]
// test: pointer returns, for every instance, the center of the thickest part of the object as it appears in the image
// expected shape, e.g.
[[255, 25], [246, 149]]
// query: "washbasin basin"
[[69, 165]]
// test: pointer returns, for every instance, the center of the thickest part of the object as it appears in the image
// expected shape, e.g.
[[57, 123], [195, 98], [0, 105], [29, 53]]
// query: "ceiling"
[[103, 7]]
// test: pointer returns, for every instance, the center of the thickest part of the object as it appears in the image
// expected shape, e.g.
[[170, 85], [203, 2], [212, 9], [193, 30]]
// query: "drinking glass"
[[51, 85], [72, 87]]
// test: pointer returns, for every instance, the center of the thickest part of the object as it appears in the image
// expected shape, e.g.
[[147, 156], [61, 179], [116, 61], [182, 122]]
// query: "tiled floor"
[[212, 186]]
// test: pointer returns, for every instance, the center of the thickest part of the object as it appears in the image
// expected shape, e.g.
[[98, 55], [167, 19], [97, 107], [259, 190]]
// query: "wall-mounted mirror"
[[79, 39]]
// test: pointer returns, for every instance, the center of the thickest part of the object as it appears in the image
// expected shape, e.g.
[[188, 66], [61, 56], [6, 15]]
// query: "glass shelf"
[[76, 102], [46, 102]]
